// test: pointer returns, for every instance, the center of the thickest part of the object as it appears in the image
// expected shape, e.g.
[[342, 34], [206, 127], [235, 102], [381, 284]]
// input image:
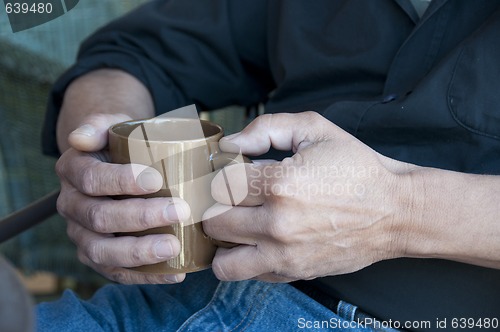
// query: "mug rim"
[[220, 130]]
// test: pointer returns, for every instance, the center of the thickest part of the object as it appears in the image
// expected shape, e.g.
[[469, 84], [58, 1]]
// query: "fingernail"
[[150, 180], [85, 130], [176, 212], [171, 278], [163, 249]]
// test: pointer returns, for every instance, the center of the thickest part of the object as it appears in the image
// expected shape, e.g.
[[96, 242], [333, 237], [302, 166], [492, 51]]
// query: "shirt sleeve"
[[212, 53]]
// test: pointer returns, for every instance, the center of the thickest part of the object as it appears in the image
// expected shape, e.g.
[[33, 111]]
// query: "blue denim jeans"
[[200, 303]]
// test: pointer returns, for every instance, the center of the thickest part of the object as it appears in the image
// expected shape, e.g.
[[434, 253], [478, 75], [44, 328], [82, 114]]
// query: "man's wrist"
[[407, 197], [106, 91], [449, 215]]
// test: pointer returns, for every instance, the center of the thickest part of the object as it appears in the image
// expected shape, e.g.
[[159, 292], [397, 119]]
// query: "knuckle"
[[312, 116], [146, 217], [120, 277], [96, 220], [87, 180], [60, 167], [61, 205], [93, 250], [264, 120], [72, 232], [82, 257], [123, 180], [137, 255], [279, 230], [153, 279]]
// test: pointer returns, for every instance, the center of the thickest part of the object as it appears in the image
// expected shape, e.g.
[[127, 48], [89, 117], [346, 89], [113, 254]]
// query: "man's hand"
[[87, 181], [329, 209], [92, 103]]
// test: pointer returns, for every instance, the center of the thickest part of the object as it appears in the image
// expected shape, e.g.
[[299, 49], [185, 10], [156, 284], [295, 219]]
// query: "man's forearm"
[[455, 216], [102, 91]]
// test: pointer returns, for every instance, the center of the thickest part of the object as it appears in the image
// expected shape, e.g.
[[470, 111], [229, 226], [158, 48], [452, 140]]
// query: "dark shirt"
[[424, 91]]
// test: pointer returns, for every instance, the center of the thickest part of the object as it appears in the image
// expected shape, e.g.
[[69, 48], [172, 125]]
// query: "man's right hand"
[[90, 106], [87, 181]]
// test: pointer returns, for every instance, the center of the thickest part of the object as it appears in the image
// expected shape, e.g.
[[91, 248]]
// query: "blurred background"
[[30, 61]]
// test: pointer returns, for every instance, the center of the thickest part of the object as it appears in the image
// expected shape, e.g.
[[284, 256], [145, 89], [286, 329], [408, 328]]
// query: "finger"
[[123, 251], [131, 277], [96, 178], [281, 131], [239, 263], [128, 276], [235, 224], [246, 184], [92, 134], [106, 215], [245, 262]]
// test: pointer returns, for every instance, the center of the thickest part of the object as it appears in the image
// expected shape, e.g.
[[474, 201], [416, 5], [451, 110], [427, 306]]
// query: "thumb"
[[283, 131], [92, 134]]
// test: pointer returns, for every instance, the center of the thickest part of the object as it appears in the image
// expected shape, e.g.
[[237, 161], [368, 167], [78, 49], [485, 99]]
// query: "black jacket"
[[423, 91]]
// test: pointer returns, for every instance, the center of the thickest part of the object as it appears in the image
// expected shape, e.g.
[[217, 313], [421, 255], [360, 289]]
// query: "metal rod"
[[29, 216]]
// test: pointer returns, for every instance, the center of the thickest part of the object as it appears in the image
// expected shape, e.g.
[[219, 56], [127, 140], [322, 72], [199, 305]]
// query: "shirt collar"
[[409, 9]]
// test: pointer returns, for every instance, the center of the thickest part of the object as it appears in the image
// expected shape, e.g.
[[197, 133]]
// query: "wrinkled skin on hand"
[[87, 182], [329, 209]]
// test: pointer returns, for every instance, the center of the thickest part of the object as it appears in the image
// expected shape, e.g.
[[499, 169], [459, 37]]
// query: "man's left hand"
[[332, 208]]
